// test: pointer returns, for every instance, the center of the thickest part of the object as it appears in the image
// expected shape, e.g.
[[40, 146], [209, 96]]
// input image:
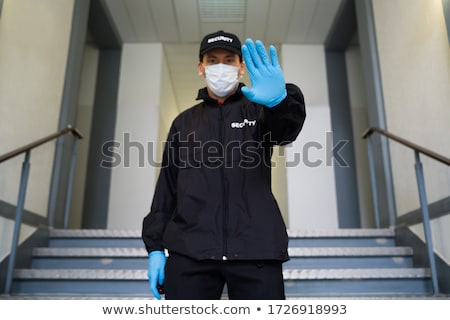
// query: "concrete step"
[[312, 282], [305, 258], [365, 282], [297, 238], [95, 238], [342, 238], [324, 263], [349, 257]]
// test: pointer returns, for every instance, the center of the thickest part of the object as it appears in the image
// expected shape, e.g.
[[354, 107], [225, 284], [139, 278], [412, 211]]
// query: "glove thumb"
[[248, 93]]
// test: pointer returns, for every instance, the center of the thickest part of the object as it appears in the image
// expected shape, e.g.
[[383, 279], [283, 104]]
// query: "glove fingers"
[[156, 293], [274, 56], [153, 288], [253, 53], [248, 60], [161, 276], [262, 52]]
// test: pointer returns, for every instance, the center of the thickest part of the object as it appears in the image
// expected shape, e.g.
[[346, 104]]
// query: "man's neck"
[[220, 99]]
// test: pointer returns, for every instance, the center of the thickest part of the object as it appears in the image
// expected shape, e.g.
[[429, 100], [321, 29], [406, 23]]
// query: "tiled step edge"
[[94, 233], [293, 252], [342, 233], [293, 274], [356, 274], [104, 233]]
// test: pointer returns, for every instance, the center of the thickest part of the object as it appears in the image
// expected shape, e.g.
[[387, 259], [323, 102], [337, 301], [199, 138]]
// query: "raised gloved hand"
[[266, 76], [156, 263]]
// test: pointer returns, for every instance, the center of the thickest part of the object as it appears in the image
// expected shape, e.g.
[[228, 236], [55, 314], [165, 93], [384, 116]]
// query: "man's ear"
[[242, 69], [201, 69]]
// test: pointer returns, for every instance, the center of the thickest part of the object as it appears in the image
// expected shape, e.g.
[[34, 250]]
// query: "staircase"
[[333, 263]]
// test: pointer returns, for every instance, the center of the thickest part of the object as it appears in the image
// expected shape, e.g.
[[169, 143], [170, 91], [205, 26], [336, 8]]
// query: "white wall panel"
[[310, 174], [137, 128]]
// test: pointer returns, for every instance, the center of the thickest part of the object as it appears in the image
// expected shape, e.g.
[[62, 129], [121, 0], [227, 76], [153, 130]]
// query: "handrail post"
[[373, 181], [70, 184], [426, 221], [18, 221], [54, 186]]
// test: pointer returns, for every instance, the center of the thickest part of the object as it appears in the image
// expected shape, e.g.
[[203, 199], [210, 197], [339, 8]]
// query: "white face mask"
[[222, 79]]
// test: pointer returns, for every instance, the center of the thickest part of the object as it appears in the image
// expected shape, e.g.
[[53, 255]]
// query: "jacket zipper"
[[224, 193]]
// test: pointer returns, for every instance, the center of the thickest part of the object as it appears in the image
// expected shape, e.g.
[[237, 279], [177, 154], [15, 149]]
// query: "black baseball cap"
[[220, 39]]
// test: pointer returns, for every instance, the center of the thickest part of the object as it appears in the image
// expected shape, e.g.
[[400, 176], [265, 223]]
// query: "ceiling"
[[181, 24]]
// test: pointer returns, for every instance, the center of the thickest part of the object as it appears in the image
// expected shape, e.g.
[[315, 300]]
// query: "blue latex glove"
[[266, 76], [156, 263]]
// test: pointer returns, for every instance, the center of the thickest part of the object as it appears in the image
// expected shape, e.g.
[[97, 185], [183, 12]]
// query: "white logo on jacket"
[[246, 122]]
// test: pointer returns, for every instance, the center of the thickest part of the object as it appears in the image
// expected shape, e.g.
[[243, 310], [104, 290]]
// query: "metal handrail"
[[408, 144], [26, 149], [41, 141], [420, 185]]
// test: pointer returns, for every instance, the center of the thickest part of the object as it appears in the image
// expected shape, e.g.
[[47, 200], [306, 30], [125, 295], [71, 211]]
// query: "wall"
[[415, 68], [360, 122], [310, 181], [34, 39], [137, 131], [168, 110], [83, 123]]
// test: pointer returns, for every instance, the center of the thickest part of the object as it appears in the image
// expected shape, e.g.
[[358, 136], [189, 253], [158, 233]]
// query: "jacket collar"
[[203, 94]]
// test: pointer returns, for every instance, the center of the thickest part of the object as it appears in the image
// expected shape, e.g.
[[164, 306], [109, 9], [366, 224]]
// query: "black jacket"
[[213, 197]]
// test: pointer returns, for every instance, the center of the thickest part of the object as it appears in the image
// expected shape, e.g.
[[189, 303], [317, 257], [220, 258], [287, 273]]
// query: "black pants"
[[188, 279]]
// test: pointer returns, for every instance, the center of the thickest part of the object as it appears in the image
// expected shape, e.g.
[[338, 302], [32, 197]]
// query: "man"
[[213, 210]]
